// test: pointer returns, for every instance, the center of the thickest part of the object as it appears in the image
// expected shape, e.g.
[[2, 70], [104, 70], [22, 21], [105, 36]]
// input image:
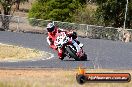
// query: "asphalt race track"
[[101, 53]]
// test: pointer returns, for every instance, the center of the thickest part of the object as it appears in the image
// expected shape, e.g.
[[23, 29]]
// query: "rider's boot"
[[76, 45], [81, 45]]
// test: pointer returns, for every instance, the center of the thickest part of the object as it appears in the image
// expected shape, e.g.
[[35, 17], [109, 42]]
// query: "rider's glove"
[[70, 34]]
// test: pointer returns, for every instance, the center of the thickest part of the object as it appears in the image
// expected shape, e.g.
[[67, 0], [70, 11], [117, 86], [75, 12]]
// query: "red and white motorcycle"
[[63, 41]]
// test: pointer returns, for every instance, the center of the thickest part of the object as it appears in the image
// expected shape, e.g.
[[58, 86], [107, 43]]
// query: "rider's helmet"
[[50, 27]]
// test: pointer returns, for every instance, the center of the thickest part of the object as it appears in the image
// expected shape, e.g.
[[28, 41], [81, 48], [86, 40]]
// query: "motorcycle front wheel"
[[72, 53], [84, 57]]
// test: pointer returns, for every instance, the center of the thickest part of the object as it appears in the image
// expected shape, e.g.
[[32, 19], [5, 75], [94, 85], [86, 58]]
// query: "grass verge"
[[10, 52], [52, 78]]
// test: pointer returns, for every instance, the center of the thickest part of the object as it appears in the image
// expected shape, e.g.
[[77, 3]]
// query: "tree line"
[[107, 13], [97, 12]]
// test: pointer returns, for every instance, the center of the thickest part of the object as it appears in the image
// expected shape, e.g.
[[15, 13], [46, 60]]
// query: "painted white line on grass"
[[52, 55], [24, 60], [35, 59], [31, 60]]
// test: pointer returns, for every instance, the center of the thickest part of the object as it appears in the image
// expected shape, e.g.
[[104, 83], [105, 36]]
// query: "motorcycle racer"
[[53, 31]]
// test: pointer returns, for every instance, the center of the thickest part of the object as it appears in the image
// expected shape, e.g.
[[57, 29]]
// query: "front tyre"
[[84, 57], [72, 53]]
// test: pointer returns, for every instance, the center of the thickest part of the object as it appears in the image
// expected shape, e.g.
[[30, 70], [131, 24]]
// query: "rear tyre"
[[72, 53]]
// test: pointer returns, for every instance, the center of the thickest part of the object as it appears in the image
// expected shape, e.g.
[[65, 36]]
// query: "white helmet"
[[50, 27]]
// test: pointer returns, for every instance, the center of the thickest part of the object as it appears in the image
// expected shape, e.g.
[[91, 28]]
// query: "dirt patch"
[[51, 78], [10, 52]]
